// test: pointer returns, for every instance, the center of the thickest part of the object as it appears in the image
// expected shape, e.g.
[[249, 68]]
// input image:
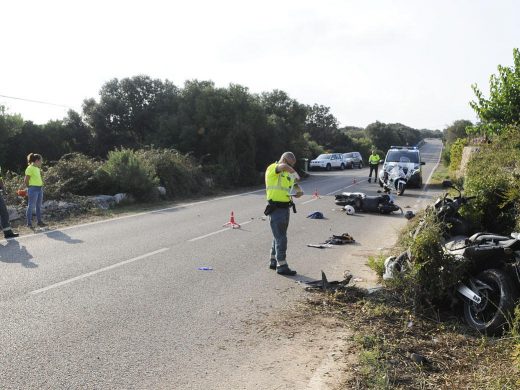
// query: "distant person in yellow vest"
[[280, 184], [4, 214], [34, 183], [373, 163]]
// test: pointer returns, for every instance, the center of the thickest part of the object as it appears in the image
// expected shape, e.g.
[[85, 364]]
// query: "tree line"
[[227, 129]]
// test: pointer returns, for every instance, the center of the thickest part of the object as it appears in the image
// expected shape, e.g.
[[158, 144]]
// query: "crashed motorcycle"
[[489, 290], [382, 203], [397, 177]]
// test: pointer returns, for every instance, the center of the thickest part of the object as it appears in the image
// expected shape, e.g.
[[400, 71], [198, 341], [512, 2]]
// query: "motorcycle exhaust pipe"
[[465, 291]]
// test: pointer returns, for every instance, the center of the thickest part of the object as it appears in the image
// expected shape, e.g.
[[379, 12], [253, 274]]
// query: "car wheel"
[[329, 167], [360, 165], [342, 167]]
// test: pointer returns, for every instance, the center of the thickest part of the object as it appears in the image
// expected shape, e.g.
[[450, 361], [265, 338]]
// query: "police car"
[[407, 157]]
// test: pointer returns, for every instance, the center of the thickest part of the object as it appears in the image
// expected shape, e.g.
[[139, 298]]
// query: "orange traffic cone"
[[316, 195], [232, 222]]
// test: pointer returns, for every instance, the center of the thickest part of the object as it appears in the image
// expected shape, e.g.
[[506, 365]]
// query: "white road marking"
[[88, 274], [436, 165], [217, 232], [330, 193], [138, 214]]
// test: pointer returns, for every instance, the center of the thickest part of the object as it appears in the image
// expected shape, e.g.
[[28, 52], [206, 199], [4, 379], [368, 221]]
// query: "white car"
[[328, 162]]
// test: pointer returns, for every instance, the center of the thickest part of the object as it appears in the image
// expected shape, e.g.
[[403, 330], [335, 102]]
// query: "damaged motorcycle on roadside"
[[489, 287]]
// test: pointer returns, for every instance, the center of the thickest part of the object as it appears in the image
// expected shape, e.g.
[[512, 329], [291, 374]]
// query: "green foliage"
[[385, 135], [126, 171], [458, 129], [502, 108], [178, 173], [493, 176], [12, 182], [456, 150], [377, 264], [74, 174]]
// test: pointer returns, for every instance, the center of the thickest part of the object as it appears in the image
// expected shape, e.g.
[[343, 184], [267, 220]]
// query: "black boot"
[[10, 234]]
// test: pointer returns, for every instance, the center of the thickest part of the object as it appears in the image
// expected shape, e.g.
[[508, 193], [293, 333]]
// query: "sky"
[[408, 61]]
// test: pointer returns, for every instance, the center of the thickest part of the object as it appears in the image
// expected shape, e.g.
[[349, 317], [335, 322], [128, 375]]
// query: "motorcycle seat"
[[354, 194], [480, 238]]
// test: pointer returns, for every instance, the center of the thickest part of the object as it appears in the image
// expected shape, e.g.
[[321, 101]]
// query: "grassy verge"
[[398, 349], [441, 173]]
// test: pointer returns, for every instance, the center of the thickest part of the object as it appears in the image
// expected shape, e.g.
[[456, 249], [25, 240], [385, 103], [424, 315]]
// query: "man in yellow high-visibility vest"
[[373, 163], [280, 185]]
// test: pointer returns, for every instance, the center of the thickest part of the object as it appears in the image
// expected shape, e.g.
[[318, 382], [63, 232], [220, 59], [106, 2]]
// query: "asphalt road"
[[122, 303]]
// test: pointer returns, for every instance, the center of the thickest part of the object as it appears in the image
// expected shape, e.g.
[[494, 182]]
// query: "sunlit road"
[[122, 303]]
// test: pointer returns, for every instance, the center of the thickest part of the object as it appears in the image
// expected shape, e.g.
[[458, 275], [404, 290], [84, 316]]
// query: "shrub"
[[12, 182], [178, 173], [456, 150], [493, 176], [127, 171], [74, 173]]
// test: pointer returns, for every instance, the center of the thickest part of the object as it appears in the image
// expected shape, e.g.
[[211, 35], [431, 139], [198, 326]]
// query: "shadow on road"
[[60, 236], [13, 252]]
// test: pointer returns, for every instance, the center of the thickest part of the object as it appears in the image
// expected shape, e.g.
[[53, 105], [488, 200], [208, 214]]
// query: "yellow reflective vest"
[[374, 159], [277, 185]]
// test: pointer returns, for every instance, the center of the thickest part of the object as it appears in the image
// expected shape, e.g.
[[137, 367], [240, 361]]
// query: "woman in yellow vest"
[[280, 179], [33, 181]]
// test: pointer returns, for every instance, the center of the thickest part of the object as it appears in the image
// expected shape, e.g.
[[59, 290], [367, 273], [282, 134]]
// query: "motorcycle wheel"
[[400, 189], [498, 302]]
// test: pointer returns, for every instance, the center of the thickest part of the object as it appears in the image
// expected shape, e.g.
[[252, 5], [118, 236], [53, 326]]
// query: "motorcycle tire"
[[400, 189], [493, 314]]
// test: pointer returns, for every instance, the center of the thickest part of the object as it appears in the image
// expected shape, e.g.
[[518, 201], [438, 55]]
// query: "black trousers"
[[373, 168], [4, 215]]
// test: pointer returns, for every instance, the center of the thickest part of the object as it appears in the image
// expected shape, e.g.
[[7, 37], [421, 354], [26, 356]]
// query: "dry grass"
[[388, 334]]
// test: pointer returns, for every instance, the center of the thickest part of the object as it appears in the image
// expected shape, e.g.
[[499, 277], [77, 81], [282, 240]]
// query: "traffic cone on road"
[[232, 224], [316, 195]]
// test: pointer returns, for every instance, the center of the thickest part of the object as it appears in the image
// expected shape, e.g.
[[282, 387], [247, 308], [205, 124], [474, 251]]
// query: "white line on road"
[[330, 193], [98, 271], [216, 232], [180, 206]]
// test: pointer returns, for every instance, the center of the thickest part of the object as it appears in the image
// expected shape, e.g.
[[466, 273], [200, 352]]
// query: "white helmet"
[[349, 209]]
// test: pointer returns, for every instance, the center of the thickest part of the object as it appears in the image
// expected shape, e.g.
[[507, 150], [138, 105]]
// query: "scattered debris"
[[325, 285], [409, 214], [343, 239], [357, 280], [320, 246], [316, 215]]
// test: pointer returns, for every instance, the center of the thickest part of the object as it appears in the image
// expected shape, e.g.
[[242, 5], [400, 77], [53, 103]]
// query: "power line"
[[36, 101]]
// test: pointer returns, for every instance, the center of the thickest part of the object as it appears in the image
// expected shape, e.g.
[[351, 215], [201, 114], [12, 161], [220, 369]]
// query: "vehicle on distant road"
[[353, 159], [328, 162]]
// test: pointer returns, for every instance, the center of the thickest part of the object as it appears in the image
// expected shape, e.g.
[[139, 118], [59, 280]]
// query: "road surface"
[[122, 304]]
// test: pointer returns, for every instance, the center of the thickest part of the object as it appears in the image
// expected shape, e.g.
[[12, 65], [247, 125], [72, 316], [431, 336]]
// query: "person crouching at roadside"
[[34, 183]]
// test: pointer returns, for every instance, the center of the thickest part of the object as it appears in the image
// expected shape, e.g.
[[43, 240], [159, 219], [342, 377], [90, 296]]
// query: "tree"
[[457, 129], [502, 108]]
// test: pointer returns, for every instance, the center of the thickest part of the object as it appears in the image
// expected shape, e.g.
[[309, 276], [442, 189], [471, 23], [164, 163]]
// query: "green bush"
[[433, 275], [493, 176], [178, 173], [456, 153], [74, 173], [12, 182], [126, 171]]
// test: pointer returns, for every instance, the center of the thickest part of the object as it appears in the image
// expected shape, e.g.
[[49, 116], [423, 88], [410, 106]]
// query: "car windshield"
[[324, 157], [348, 155], [403, 156]]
